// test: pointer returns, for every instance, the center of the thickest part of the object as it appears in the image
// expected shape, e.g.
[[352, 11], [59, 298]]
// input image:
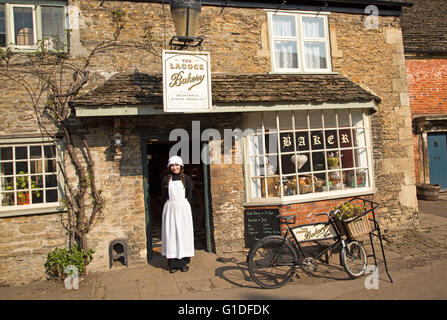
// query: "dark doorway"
[[157, 159]]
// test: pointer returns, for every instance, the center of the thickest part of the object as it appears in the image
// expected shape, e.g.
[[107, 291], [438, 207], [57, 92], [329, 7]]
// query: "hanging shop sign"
[[186, 81]]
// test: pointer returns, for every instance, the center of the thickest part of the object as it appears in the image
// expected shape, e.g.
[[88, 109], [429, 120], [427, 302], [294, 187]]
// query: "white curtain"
[[313, 27], [284, 26], [286, 54], [53, 24], [315, 55]]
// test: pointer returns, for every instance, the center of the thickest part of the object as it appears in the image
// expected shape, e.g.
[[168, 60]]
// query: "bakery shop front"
[[267, 141]]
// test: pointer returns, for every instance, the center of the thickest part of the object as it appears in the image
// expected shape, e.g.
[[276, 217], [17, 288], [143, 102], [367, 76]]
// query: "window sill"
[[304, 73], [30, 210], [308, 198]]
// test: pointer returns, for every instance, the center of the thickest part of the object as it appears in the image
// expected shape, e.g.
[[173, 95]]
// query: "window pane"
[[37, 196], [357, 118], [318, 161], [360, 157], [6, 153], [331, 139], [284, 26], [21, 153], [313, 27], [315, 55], [53, 27], [36, 182], [7, 198], [317, 142], [23, 198], [343, 118], [300, 120], [22, 183], [315, 119], [288, 163], [36, 152], [50, 181], [286, 142], [21, 167], [286, 54], [49, 151], [6, 169], [23, 26], [2, 26], [302, 140], [50, 165], [7, 184], [269, 120], [51, 196]]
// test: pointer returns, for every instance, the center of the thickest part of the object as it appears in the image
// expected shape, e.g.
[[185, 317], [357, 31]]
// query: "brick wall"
[[427, 86]]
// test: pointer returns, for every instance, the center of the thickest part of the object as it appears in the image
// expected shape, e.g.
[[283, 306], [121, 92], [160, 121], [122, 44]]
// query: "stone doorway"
[[157, 159]]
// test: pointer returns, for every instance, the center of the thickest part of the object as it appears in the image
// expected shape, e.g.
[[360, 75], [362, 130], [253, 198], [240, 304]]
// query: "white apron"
[[177, 232]]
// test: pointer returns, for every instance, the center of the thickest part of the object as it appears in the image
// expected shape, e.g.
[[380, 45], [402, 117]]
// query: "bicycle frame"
[[336, 236]]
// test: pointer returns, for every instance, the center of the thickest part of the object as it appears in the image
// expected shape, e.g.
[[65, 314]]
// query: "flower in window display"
[[23, 197], [333, 160]]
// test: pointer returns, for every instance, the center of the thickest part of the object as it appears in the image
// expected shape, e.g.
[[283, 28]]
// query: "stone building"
[[321, 84], [425, 43]]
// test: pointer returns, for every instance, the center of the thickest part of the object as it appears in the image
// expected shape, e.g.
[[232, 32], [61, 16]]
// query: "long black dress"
[[177, 263]]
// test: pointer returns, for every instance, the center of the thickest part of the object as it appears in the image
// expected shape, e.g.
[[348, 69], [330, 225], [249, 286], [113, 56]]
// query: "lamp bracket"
[[180, 43]]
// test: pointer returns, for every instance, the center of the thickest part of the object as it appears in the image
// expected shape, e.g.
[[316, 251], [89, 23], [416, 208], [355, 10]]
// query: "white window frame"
[[299, 39], [37, 23], [10, 23], [28, 209], [313, 196]]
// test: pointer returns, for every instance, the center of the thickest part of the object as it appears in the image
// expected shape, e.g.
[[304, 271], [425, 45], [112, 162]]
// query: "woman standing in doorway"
[[177, 232]]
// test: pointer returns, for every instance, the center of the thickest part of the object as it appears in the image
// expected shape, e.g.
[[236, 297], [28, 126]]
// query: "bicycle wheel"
[[271, 262], [353, 259]]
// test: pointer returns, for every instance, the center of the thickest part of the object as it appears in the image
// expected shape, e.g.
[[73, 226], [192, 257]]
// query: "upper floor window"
[[299, 42], [24, 25]]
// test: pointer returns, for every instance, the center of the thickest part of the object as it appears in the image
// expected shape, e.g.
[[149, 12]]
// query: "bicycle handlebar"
[[328, 214]]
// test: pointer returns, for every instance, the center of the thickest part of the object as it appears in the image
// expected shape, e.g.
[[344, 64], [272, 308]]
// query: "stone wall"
[[238, 42]]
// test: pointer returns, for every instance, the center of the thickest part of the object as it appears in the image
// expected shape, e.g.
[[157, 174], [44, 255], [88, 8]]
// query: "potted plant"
[[348, 219], [23, 197]]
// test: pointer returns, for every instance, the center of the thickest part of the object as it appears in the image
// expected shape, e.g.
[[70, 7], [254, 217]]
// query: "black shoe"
[[185, 269], [173, 270]]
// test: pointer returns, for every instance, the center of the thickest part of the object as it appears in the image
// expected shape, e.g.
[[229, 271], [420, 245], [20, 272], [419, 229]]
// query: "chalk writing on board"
[[260, 223]]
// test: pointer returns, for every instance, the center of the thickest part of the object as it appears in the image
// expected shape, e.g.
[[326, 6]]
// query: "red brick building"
[[425, 40]]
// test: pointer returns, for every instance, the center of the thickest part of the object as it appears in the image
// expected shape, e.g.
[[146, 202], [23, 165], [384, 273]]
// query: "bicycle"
[[272, 261]]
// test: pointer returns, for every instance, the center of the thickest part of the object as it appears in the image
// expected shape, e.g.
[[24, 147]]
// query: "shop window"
[[30, 24], [28, 176], [299, 42], [2, 26], [308, 154]]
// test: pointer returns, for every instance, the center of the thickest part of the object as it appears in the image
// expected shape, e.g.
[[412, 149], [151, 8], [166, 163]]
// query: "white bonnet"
[[175, 160]]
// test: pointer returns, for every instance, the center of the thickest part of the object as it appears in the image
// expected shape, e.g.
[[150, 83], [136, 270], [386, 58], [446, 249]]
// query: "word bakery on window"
[[299, 42], [23, 26], [307, 155]]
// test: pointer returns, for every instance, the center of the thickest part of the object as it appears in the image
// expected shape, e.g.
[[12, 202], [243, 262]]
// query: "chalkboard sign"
[[260, 223]]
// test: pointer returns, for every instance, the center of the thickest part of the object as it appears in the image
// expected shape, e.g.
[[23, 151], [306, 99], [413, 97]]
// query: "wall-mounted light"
[[185, 14], [117, 143]]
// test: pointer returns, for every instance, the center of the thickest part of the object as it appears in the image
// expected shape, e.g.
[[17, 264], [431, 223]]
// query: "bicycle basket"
[[357, 227]]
